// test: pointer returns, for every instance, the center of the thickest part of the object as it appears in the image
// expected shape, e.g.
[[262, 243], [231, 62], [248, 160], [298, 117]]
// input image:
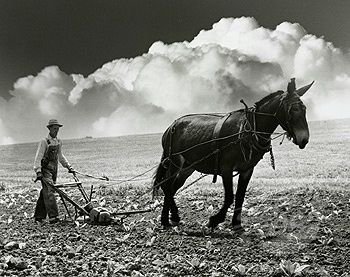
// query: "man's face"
[[54, 130]]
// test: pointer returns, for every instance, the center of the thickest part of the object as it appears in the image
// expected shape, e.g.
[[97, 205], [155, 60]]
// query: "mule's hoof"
[[166, 226], [212, 224], [238, 229], [174, 223], [206, 230]]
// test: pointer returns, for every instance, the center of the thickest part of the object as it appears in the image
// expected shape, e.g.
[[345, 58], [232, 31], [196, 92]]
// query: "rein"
[[248, 135], [242, 131], [239, 137]]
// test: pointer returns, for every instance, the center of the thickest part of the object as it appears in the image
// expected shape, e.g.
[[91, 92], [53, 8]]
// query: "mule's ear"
[[291, 86], [301, 91]]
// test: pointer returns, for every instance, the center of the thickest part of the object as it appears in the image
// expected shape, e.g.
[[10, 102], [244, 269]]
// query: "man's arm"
[[40, 152]]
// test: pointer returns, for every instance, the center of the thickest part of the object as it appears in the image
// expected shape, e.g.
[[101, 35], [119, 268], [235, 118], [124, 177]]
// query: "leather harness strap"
[[215, 144]]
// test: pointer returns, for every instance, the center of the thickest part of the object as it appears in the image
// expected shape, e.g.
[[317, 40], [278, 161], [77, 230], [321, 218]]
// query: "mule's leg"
[[244, 178], [179, 182], [168, 188], [165, 211], [228, 188], [174, 212]]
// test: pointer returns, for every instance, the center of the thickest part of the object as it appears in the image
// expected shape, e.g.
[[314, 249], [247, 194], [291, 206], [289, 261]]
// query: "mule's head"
[[293, 118]]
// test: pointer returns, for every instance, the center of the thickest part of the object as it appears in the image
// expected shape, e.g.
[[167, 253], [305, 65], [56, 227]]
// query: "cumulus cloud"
[[237, 58]]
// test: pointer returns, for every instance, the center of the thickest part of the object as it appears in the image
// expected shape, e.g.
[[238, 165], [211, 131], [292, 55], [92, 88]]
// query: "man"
[[45, 166]]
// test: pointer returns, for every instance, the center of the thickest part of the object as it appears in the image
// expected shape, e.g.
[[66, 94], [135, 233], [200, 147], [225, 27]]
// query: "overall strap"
[[47, 148], [48, 153], [215, 144]]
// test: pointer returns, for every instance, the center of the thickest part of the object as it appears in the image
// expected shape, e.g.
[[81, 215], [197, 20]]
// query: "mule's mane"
[[268, 98]]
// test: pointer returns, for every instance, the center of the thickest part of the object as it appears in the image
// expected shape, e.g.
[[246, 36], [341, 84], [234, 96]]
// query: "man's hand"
[[39, 176], [71, 170]]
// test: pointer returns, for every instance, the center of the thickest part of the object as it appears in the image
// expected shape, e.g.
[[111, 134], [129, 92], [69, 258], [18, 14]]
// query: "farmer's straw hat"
[[53, 122]]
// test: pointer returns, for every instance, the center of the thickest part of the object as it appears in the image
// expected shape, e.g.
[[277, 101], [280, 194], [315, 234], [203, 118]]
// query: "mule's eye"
[[295, 108]]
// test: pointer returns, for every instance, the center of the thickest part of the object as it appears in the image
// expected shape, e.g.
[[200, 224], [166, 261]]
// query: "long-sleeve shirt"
[[42, 149]]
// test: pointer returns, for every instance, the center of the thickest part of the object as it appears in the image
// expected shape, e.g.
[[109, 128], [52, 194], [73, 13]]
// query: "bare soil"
[[303, 226]]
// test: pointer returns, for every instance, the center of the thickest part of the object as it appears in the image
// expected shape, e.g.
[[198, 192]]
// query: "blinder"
[[286, 124]]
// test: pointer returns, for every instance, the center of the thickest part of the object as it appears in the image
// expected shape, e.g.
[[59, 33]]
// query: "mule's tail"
[[159, 175]]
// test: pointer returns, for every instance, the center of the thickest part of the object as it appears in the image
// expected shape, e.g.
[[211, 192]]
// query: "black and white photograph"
[[175, 138]]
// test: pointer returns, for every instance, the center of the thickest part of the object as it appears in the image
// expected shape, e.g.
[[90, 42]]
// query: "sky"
[[110, 68]]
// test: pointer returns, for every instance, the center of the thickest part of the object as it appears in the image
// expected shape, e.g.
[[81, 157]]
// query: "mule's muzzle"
[[303, 143], [300, 138]]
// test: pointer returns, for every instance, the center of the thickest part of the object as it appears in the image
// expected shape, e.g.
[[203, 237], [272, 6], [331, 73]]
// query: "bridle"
[[250, 124], [288, 105], [285, 123]]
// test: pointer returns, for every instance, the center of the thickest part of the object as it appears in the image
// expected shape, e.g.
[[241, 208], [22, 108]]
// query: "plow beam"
[[63, 195], [131, 212]]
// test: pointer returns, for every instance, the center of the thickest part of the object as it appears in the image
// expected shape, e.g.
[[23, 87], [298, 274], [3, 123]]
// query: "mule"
[[222, 144]]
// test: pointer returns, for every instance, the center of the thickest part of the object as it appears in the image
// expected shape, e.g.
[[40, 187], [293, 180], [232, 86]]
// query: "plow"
[[85, 208]]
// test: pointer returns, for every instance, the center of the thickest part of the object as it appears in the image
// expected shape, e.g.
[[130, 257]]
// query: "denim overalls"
[[46, 204]]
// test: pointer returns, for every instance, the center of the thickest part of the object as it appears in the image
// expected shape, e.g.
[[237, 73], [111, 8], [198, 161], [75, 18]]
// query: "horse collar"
[[255, 141]]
